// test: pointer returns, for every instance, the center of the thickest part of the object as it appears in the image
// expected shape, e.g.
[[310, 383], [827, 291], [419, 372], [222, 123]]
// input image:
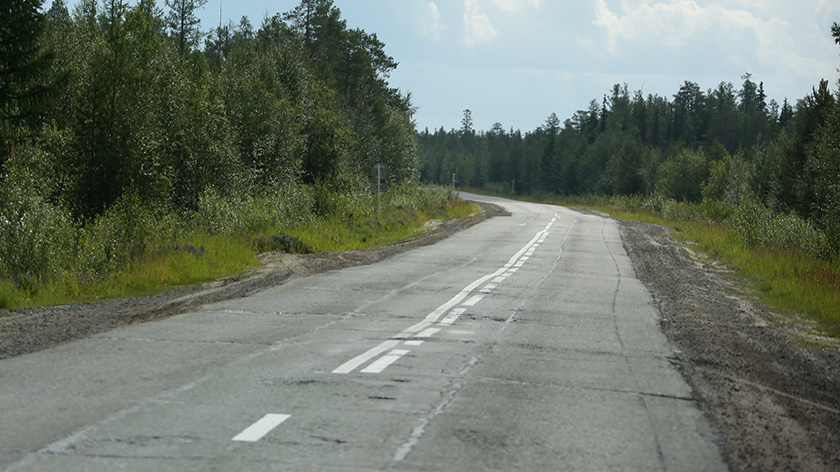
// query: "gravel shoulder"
[[770, 383]]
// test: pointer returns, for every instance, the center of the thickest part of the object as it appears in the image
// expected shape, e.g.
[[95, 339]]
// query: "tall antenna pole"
[[220, 15]]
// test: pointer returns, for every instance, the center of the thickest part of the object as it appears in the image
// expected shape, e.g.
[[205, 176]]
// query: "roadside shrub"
[[758, 226], [712, 210], [35, 235], [287, 206], [218, 214], [117, 236], [432, 200]]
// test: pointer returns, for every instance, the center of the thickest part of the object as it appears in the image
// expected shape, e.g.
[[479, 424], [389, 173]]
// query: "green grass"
[[163, 267], [206, 257], [785, 279]]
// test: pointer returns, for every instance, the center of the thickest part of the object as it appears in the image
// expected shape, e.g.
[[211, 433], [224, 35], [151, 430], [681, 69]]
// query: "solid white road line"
[[256, 431]]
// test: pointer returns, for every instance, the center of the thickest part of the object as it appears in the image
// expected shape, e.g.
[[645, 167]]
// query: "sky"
[[517, 61]]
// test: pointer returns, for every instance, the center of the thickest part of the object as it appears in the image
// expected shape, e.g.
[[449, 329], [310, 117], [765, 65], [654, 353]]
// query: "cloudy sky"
[[517, 61]]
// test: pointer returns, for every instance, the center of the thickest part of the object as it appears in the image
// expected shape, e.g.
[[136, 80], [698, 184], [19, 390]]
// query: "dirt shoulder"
[[770, 383], [29, 330]]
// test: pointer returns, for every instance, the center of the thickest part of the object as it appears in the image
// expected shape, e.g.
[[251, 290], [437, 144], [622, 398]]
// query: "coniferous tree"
[[25, 91], [183, 22]]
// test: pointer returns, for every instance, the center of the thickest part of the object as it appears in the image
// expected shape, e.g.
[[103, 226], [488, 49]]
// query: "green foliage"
[[25, 87], [33, 233], [133, 249], [682, 177], [758, 226]]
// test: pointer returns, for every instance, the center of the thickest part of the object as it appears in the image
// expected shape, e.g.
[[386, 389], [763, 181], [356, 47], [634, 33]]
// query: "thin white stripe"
[[256, 431], [383, 362]]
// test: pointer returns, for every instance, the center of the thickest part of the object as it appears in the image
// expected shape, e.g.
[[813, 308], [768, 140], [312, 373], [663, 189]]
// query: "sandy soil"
[[769, 383]]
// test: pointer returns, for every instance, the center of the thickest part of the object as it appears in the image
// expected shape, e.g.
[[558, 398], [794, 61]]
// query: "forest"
[[125, 127], [128, 133], [726, 154]]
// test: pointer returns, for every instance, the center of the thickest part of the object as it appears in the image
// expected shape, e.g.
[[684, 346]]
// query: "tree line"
[[114, 101], [725, 144]]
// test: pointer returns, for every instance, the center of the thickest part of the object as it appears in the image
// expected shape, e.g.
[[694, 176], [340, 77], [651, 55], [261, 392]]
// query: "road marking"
[[475, 299], [414, 342], [489, 288], [383, 362], [355, 362], [453, 316], [424, 326], [428, 333], [256, 431], [499, 279]]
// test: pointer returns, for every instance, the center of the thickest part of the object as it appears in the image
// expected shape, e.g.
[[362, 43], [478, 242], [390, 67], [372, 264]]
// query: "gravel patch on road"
[[770, 382]]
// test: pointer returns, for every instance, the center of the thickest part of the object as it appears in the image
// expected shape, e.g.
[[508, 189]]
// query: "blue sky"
[[517, 61]]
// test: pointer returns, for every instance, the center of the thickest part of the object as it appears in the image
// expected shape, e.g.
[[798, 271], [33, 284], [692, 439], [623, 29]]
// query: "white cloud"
[[477, 27], [515, 5], [431, 24], [740, 34]]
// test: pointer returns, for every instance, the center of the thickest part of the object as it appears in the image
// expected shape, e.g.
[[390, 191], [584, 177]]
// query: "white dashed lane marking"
[[430, 325], [258, 430]]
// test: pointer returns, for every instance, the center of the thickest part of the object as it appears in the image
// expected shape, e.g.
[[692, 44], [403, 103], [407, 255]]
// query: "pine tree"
[[183, 22], [24, 91]]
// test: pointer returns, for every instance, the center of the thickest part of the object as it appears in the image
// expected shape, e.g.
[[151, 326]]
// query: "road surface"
[[525, 342]]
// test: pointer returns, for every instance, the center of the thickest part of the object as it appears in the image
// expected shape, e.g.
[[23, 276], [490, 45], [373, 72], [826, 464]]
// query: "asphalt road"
[[524, 342]]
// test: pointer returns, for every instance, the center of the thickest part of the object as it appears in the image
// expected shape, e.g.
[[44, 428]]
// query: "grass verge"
[[204, 256], [785, 279]]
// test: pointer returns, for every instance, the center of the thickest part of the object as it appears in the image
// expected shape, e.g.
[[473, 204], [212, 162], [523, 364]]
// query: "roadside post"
[[379, 172]]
